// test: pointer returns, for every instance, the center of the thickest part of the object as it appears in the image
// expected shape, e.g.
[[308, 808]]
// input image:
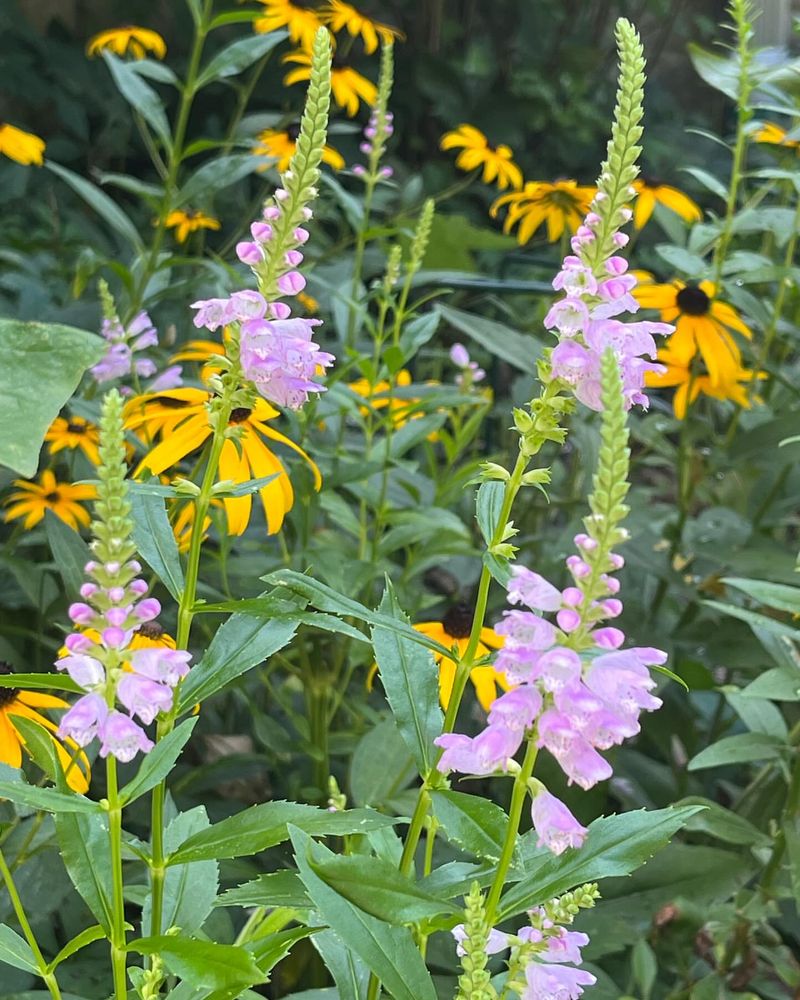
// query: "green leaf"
[[46, 799], [101, 203], [42, 366], [82, 940], [39, 744], [140, 96], [86, 855], [265, 825], [378, 888], [15, 951], [281, 888], [739, 749], [155, 540], [773, 595], [778, 684], [190, 889], [475, 824], [70, 552], [723, 824], [271, 949], [381, 766], [680, 259], [390, 952], [41, 682], [791, 832], [238, 56], [488, 506], [411, 682], [709, 182], [349, 972], [497, 338], [216, 175], [240, 644], [157, 764], [614, 846], [755, 620], [719, 72], [203, 964]]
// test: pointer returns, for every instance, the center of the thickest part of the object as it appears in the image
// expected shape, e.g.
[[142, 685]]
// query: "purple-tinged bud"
[[293, 258], [572, 597], [612, 607], [281, 194], [608, 638], [359, 169], [138, 587], [117, 616], [306, 213], [291, 283], [271, 213], [148, 609], [568, 619], [612, 584], [114, 637], [365, 147], [90, 567], [578, 567], [617, 561], [370, 132], [116, 594], [89, 590], [586, 542], [386, 172], [249, 253], [616, 265], [301, 235], [77, 642], [134, 566], [261, 232], [80, 613], [112, 568], [620, 240], [279, 310]]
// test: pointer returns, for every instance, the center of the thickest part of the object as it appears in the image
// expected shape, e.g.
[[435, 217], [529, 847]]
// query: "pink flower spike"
[[555, 982], [527, 587]]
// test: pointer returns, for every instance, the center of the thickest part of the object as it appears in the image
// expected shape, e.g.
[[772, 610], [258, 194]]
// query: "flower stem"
[[19, 910], [118, 942], [518, 796]]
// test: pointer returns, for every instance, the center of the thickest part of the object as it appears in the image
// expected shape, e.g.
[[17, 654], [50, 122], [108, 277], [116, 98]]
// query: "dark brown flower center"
[[169, 403], [53, 496], [239, 415], [457, 622], [650, 181], [293, 131], [150, 630], [76, 428], [693, 301], [7, 695]]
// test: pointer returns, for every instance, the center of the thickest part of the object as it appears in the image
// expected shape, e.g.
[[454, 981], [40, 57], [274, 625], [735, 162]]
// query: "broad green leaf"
[[390, 952], [349, 972], [381, 766], [202, 963], [791, 833], [86, 855], [497, 338], [615, 845], [682, 260], [723, 824], [758, 714], [773, 595], [474, 823], [155, 540], [82, 940], [15, 951], [46, 799], [411, 682], [70, 552], [139, 95], [488, 505], [281, 888], [157, 764], [709, 182], [216, 175], [263, 826], [240, 644], [378, 888], [41, 682], [190, 889], [238, 56], [271, 949], [755, 620], [739, 749], [778, 684], [101, 203], [39, 744], [42, 366], [719, 72]]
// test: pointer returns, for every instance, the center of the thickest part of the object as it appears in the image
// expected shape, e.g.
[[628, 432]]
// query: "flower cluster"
[[114, 605], [471, 371], [377, 131], [587, 324], [124, 343]]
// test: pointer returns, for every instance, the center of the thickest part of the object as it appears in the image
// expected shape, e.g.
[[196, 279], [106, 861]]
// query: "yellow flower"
[[32, 499], [74, 433], [130, 40], [180, 418], [14, 704], [689, 383], [188, 222], [497, 161], [280, 145], [702, 323], [650, 191], [338, 16], [348, 86], [20, 146], [774, 135], [562, 204], [301, 23], [308, 302], [378, 397]]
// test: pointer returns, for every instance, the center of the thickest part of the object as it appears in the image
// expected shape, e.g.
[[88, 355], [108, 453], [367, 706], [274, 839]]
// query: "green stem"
[[118, 937], [791, 813], [518, 797], [415, 830], [30, 937]]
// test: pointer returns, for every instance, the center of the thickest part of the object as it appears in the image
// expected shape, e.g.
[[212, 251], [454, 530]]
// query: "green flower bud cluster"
[[380, 115], [563, 909], [112, 527], [475, 981], [422, 235]]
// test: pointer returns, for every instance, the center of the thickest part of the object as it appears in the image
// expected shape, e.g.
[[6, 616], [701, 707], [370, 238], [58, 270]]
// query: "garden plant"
[[399, 588]]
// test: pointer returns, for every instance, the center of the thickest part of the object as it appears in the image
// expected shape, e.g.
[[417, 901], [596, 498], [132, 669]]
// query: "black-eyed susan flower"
[[32, 499], [476, 152], [281, 143], [128, 40], [308, 302], [340, 16], [703, 325], [650, 191], [689, 383], [180, 419], [562, 205], [774, 135], [16, 703], [348, 86], [301, 22], [378, 396], [71, 433], [21, 146], [186, 222]]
